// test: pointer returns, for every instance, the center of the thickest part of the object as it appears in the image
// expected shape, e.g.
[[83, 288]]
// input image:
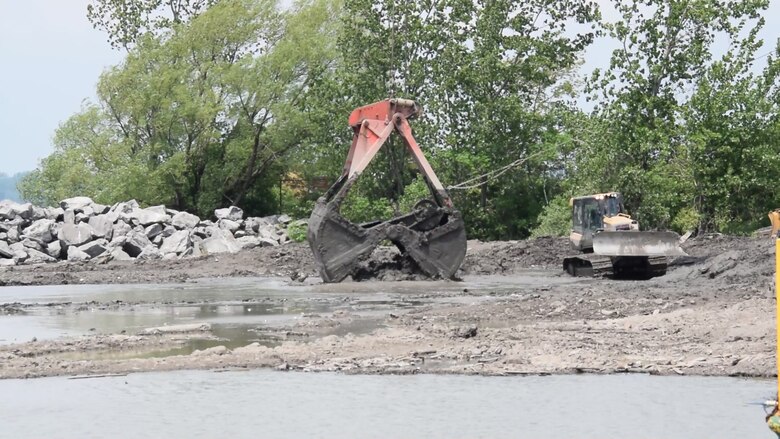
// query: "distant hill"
[[8, 186]]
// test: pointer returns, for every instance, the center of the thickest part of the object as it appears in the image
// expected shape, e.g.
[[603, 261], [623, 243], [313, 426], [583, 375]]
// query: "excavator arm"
[[433, 235]]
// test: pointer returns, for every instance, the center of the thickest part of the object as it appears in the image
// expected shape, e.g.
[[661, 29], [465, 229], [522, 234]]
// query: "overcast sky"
[[51, 58]]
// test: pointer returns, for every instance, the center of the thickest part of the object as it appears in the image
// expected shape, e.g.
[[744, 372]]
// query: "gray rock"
[[38, 257], [184, 220], [248, 242], [170, 256], [54, 213], [168, 231], [41, 231], [69, 216], [268, 232], [7, 262], [103, 225], [119, 255], [285, 219], [135, 243], [267, 242], [95, 248], [3, 236], [229, 225], [75, 234], [126, 207], [193, 252], [87, 211], [38, 213], [20, 252], [240, 233], [100, 209], [153, 230], [157, 240], [177, 243], [33, 244], [232, 213], [121, 228], [54, 249], [76, 255], [76, 203], [150, 253], [13, 234], [81, 217], [221, 242], [5, 250], [147, 217]]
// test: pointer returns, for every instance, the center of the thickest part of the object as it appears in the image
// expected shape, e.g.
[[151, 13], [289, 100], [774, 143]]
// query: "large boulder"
[[177, 243], [119, 255], [11, 210], [168, 231], [76, 203], [31, 243], [150, 253], [54, 249], [126, 207], [221, 241], [247, 242], [151, 215], [76, 255], [75, 234], [103, 225], [5, 250], [95, 248], [42, 231], [154, 230], [38, 257], [229, 225], [54, 213], [232, 213], [20, 252], [121, 229], [135, 243], [184, 220]]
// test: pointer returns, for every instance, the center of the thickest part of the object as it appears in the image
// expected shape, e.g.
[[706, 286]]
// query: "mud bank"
[[712, 314]]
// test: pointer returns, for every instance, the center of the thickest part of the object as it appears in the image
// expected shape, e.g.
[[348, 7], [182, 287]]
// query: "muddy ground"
[[712, 314]]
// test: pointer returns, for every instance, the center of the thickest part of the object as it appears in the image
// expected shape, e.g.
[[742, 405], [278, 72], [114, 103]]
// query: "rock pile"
[[80, 230]]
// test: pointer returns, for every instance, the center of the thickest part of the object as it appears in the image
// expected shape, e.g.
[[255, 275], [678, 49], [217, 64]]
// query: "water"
[[230, 305], [262, 403]]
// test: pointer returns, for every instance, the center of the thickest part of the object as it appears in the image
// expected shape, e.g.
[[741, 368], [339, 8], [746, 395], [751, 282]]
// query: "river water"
[[262, 403]]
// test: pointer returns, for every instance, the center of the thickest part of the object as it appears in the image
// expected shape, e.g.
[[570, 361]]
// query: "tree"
[[126, 21], [200, 118], [493, 80], [639, 141]]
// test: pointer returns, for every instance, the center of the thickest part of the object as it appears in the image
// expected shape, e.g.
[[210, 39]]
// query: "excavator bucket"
[[433, 235], [634, 243]]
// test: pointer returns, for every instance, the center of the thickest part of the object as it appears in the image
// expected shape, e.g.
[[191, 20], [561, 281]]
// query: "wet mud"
[[515, 313]]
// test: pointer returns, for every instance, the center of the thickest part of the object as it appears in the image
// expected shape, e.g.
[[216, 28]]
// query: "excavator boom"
[[433, 235]]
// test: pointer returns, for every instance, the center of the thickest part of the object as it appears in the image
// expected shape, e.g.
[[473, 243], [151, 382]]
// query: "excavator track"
[[630, 267]]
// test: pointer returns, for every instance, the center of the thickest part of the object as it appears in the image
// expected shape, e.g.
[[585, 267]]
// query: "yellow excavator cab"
[[774, 219]]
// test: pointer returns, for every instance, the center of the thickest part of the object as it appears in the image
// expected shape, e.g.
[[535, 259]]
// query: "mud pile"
[[731, 259]]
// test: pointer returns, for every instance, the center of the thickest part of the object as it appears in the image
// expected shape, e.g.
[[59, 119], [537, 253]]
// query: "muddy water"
[[280, 405], [232, 306]]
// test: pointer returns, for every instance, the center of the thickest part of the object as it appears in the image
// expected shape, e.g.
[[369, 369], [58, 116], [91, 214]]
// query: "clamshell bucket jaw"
[[433, 235]]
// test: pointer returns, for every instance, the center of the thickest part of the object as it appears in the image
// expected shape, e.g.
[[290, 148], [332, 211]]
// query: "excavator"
[[611, 243], [433, 235]]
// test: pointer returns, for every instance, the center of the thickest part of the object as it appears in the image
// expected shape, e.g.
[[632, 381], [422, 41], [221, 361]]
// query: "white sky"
[[51, 58]]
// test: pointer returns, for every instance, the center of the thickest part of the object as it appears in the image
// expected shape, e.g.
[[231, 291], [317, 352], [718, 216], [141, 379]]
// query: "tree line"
[[244, 102]]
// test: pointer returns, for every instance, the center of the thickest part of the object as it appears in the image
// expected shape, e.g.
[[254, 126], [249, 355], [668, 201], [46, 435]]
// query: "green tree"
[[201, 118], [126, 21], [638, 144]]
